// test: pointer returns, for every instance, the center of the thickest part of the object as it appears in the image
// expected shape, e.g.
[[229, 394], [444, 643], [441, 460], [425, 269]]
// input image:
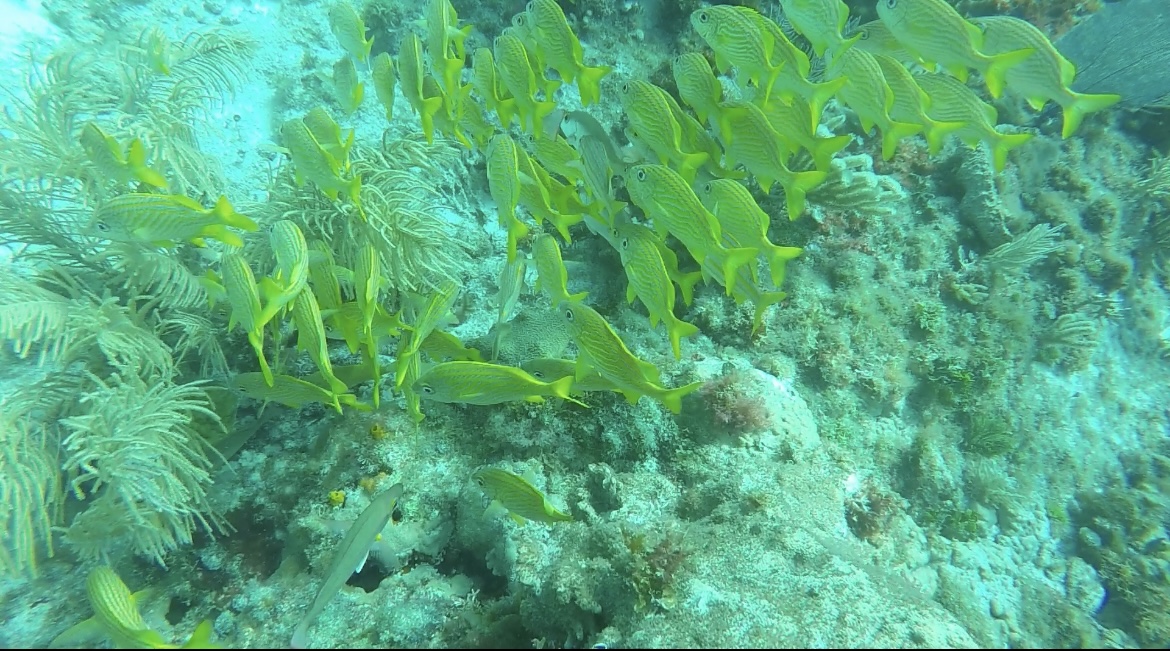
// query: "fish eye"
[[102, 226], [537, 374], [707, 188], [625, 243], [863, 34], [891, 3], [569, 314], [703, 17], [427, 389], [478, 480], [641, 174], [626, 87], [518, 20]]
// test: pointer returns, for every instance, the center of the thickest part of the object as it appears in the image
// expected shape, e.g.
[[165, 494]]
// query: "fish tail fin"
[[767, 299], [506, 110], [677, 329], [541, 111], [995, 74], [137, 160], [733, 260], [354, 190], [1004, 144], [562, 387], [686, 283], [778, 257], [228, 215], [258, 346], [589, 83], [825, 148], [1081, 106], [936, 133], [201, 637], [689, 165], [894, 132], [796, 189], [221, 233], [819, 94], [672, 398], [517, 230], [430, 106]]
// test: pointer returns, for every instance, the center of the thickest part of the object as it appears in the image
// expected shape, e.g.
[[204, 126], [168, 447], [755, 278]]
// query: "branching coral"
[[30, 493], [136, 455], [419, 249], [852, 186]]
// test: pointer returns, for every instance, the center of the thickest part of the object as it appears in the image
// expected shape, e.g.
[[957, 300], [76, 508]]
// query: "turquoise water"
[[950, 430]]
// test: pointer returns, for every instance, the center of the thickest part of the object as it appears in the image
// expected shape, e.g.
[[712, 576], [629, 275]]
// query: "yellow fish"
[[503, 174], [868, 94], [697, 86], [910, 103], [558, 156], [598, 176], [874, 37], [328, 134], [350, 31], [551, 276], [239, 285], [936, 33], [123, 166], [311, 162], [744, 288], [792, 81], [382, 71], [741, 218], [367, 288], [292, 268], [539, 193], [649, 281], [515, 71], [671, 203], [952, 101], [792, 122], [445, 44], [735, 35], [562, 50], [511, 284], [515, 494], [444, 346], [166, 219], [347, 89], [484, 81], [311, 339], [323, 275], [411, 73], [654, 124], [116, 617], [1046, 75], [292, 392], [751, 140], [600, 349], [821, 22], [482, 383]]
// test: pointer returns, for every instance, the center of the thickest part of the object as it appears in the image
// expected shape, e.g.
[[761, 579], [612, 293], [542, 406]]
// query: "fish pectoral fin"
[[533, 398], [494, 509], [517, 519]]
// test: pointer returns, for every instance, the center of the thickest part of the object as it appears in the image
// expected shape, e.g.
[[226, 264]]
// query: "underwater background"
[[358, 324]]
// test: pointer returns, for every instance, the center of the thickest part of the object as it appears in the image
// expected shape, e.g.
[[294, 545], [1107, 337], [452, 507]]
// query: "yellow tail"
[[995, 74], [589, 83], [1004, 144], [796, 189], [1081, 106]]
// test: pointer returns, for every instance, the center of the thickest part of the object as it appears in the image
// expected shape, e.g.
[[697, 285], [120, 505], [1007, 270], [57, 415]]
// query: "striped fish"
[[600, 349], [649, 281], [522, 500], [1044, 76], [483, 383]]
